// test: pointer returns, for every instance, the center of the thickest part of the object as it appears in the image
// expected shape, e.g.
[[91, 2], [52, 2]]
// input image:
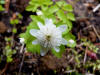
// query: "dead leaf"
[[3, 27]]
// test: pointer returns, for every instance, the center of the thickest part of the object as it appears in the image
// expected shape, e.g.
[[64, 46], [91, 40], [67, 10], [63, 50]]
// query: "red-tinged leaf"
[[92, 55]]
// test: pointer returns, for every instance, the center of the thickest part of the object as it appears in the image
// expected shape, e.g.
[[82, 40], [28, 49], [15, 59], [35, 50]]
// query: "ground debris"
[[3, 27]]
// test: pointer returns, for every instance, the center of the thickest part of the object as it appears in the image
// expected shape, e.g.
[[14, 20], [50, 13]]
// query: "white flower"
[[49, 36], [71, 41], [22, 40], [39, 12]]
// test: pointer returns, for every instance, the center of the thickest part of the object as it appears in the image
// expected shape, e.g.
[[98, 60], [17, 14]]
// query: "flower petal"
[[64, 42], [39, 13], [22, 40], [57, 49], [62, 28], [35, 42], [71, 41], [48, 21], [33, 32], [43, 51], [40, 25]]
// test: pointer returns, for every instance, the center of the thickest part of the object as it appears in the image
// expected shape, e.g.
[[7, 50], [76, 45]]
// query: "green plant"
[[1, 3], [14, 21], [90, 45], [91, 53], [60, 12], [1, 8], [8, 52]]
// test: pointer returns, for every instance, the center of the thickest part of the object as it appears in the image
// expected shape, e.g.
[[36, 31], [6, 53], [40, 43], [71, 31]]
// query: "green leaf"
[[32, 8], [60, 3], [14, 30], [69, 24], [20, 16], [53, 9], [59, 23], [68, 7], [29, 38], [33, 48], [2, 1], [59, 54], [71, 16], [14, 22], [8, 39], [44, 8], [52, 17], [69, 37], [47, 2], [1, 8], [37, 18], [28, 41], [9, 59], [61, 15], [32, 2]]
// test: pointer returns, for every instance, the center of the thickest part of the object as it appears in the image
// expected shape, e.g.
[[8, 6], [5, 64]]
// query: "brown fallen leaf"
[[92, 36], [3, 27]]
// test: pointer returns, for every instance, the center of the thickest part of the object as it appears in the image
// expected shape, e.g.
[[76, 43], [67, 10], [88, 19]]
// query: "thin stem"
[[96, 32], [85, 56], [22, 51]]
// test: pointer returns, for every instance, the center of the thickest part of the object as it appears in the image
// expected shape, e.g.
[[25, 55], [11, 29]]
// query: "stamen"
[[48, 37]]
